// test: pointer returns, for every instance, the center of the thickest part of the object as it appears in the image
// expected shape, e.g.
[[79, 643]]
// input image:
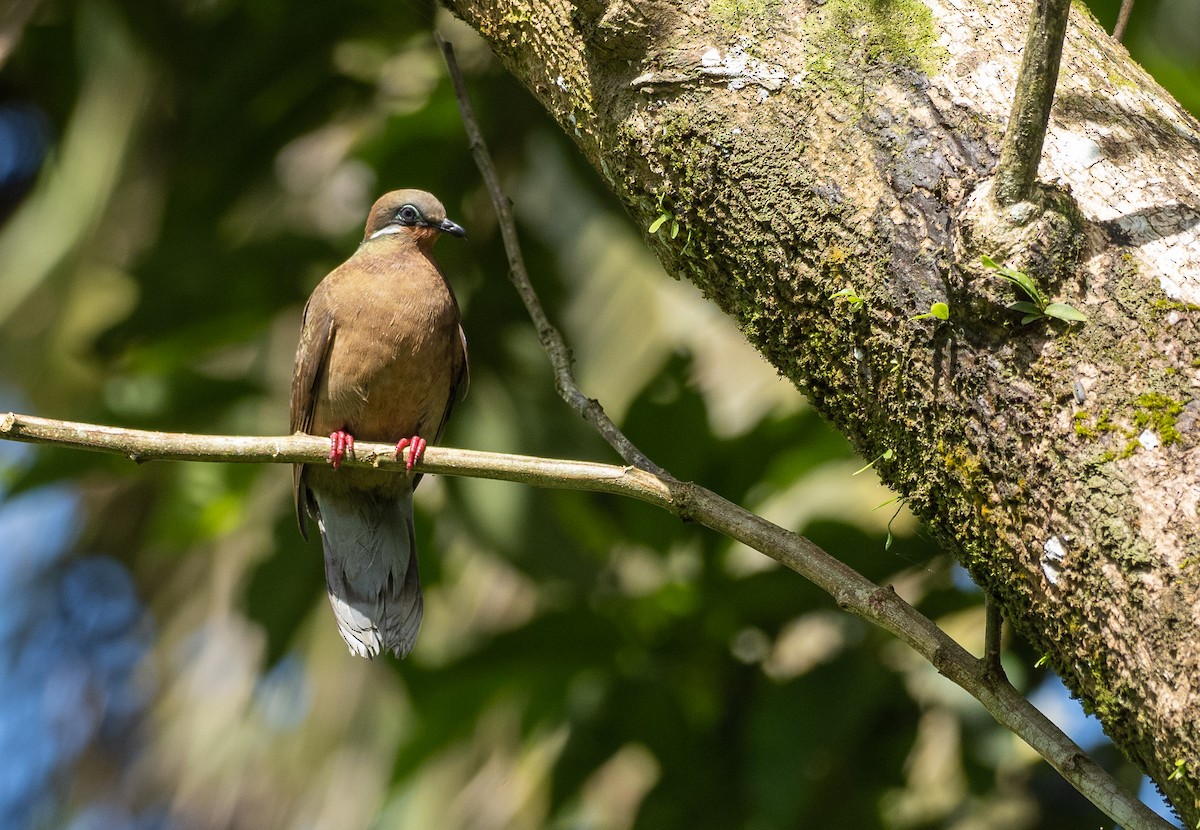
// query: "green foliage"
[[662, 219], [938, 311], [886, 455], [1037, 308], [850, 296], [669, 221]]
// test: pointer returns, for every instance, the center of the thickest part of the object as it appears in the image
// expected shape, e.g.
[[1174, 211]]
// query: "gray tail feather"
[[371, 570]]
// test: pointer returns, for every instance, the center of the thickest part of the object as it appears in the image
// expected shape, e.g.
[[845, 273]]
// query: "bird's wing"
[[316, 335], [462, 379]]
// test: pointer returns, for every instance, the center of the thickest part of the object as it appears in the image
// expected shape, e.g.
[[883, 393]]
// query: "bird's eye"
[[408, 214]]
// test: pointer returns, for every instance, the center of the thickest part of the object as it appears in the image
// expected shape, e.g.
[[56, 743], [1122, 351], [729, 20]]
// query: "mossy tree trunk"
[[807, 148]]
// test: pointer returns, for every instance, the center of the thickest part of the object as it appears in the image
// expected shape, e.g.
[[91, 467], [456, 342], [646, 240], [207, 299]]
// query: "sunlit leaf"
[[1062, 311]]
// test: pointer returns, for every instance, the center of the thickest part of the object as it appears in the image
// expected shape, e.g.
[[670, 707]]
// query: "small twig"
[[853, 592], [993, 630], [552, 340], [1021, 149], [1122, 20]]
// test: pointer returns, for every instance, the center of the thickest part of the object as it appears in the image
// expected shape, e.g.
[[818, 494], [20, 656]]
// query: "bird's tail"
[[371, 570]]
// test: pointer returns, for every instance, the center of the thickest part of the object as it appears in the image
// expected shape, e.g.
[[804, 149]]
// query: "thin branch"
[[993, 629], [852, 591], [552, 340], [1122, 20], [1021, 150]]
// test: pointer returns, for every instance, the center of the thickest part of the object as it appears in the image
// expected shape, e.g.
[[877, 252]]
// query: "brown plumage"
[[381, 357]]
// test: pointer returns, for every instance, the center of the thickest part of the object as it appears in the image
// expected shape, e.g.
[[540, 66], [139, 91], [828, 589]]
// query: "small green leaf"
[[848, 294], [1065, 312], [1017, 278], [1027, 308], [658, 223], [885, 455], [1005, 271], [1043, 660], [940, 311], [892, 500], [674, 228], [1029, 318], [1023, 282]]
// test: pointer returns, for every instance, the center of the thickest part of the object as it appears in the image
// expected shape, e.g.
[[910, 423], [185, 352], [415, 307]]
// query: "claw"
[[416, 449], [341, 444]]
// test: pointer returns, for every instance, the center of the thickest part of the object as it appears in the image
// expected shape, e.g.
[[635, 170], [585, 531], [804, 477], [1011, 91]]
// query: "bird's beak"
[[452, 228]]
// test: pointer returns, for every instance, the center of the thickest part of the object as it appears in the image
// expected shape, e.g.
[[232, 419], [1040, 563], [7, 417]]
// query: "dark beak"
[[452, 228]]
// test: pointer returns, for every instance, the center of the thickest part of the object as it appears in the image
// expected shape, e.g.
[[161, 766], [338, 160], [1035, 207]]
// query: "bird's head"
[[414, 213]]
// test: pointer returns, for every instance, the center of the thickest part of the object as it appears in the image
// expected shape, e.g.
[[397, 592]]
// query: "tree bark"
[[806, 148]]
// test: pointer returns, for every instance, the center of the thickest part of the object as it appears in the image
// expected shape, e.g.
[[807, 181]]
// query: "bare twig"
[[1122, 19], [1021, 150], [552, 340], [852, 591], [993, 629], [144, 445]]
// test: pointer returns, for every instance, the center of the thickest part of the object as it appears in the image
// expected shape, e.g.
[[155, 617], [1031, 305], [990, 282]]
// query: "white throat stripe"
[[386, 230]]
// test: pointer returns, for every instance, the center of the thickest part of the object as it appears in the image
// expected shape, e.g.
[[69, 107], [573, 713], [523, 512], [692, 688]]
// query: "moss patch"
[[1165, 304], [1085, 427], [1158, 412], [739, 15], [846, 37], [1151, 410]]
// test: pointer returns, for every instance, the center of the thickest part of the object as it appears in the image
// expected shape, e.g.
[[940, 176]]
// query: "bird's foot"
[[341, 444], [416, 449]]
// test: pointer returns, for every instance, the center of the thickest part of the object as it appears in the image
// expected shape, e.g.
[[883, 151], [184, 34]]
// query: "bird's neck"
[[392, 238]]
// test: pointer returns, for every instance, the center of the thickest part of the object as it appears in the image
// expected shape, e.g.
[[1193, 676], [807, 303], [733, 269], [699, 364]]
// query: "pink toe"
[[341, 444]]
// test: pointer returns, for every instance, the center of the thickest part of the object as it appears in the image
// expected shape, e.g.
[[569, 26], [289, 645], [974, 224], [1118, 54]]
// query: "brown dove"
[[381, 357]]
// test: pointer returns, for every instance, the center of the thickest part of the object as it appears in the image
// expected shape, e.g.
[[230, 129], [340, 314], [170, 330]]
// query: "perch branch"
[[852, 591]]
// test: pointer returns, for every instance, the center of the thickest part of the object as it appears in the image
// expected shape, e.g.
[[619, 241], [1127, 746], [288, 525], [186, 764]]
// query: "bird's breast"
[[393, 359]]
